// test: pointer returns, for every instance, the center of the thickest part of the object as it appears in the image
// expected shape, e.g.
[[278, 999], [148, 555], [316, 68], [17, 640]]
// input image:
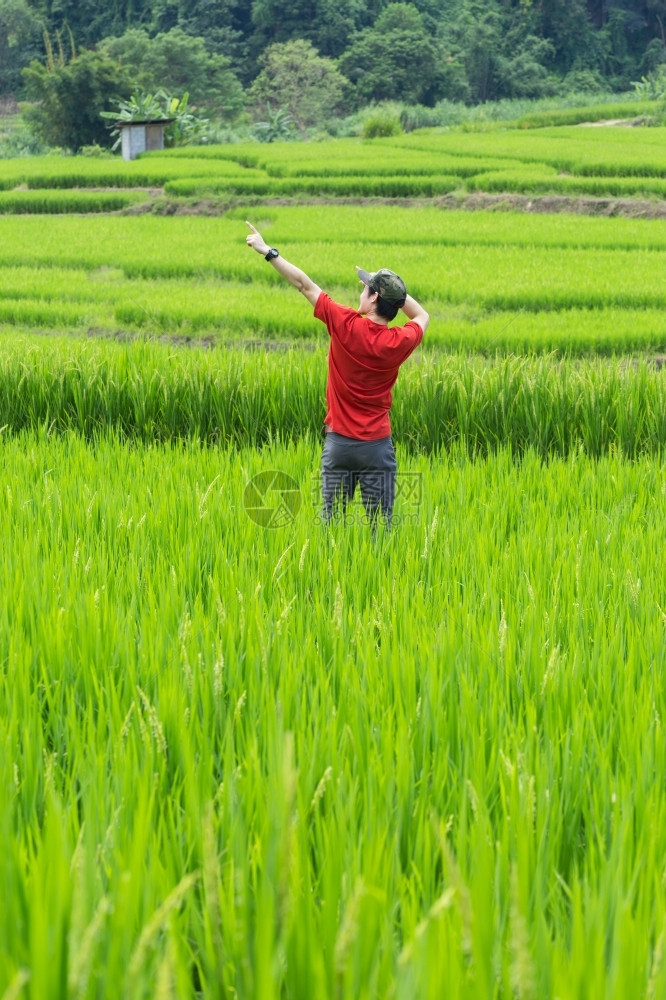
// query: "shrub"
[[96, 152], [279, 125], [381, 127], [414, 116]]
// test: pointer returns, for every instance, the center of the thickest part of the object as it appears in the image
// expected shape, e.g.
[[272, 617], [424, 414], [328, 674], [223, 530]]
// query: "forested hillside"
[[273, 70], [463, 48]]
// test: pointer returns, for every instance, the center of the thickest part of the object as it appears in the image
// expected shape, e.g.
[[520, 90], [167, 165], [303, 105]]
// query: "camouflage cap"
[[388, 284]]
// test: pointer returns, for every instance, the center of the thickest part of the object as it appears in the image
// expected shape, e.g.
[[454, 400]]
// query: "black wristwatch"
[[272, 254]]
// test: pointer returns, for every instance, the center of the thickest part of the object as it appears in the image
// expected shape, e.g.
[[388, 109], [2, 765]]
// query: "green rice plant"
[[372, 186], [594, 113], [81, 171], [105, 300], [571, 332], [393, 163], [248, 155], [616, 186], [202, 186], [491, 281], [54, 202], [535, 279], [545, 180], [230, 768], [147, 392], [507, 277], [186, 245], [403, 226], [612, 152], [531, 177], [227, 308], [41, 314]]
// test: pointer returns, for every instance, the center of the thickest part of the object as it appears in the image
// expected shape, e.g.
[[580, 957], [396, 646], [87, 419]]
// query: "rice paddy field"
[[493, 281], [247, 755]]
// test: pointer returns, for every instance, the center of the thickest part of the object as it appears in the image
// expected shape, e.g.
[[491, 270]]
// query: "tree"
[[69, 98], [397, 59], [20, 41], [633, 36], [179, 63], [407, 50], [477, 32], [500, 48], [328, 25], [226, 27], [130, 49], [568, 26], [294, 77], [619, 65], [520, 70], [655, 15], [90, 20]]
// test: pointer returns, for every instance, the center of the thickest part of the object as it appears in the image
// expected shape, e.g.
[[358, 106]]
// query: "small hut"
[[142, 136]]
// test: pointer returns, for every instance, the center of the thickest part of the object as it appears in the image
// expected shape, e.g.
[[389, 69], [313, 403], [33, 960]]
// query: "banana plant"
[[186, 127]]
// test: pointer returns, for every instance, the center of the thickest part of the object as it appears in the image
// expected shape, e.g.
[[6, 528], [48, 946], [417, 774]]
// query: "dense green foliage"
[[381, 60], [69, 98], [235, 58], [616, 40], [306, 86], [20, 42], [178, 63]]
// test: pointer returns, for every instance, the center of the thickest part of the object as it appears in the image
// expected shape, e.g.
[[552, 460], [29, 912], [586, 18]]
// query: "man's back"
[[364, 359]]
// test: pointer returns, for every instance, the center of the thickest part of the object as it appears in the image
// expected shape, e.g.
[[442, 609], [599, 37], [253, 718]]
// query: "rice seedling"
[[80, 172], [203, 242], [616, 151]]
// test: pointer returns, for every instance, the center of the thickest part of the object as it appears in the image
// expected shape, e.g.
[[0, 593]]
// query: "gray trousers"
[[347, 462]]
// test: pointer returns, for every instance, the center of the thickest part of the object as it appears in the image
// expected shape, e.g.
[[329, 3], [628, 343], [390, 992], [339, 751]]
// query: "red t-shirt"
[[363, 362]]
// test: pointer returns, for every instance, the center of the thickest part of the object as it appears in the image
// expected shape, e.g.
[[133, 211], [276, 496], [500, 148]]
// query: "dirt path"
[[628, 208]]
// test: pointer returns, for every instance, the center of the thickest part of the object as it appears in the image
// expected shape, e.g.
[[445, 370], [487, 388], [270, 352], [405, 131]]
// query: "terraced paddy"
[[249, 756]]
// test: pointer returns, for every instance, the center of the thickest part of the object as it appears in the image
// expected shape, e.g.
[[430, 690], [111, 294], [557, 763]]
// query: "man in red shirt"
[[363, 362]]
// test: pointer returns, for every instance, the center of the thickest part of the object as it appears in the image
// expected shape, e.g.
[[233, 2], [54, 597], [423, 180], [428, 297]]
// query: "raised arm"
[[413, 310], [292, 274]]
